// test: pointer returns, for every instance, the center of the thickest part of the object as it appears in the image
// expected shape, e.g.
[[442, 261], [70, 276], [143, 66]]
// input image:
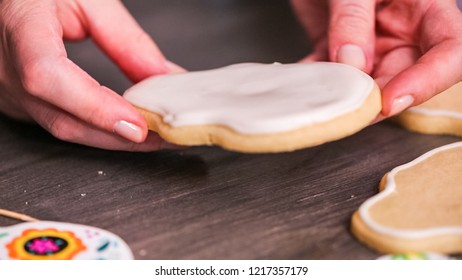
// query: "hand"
[[38, 82], [412, 48]]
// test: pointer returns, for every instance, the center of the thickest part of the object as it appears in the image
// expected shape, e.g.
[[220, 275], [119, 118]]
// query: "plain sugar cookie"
[[442, 114], [255, 107], [419, 207]]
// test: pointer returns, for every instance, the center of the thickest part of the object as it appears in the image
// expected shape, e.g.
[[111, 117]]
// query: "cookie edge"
[[425, 124]]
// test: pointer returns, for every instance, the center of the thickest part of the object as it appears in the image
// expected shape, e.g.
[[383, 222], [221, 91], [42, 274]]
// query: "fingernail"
[[400, 104], [352, 55], [129, 131]]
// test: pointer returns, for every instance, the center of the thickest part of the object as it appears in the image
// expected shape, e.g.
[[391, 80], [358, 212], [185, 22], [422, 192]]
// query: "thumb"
[[351, 32]]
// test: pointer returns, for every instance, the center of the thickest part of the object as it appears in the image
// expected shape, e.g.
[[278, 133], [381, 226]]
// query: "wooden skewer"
[[17, 216]]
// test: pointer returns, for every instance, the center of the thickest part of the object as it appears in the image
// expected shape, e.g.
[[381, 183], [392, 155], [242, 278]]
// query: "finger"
[[351, 32], [174, 68], [315, 56], [60, 82], [438, 69], [123, 40], [75, 27], [320, 52], [377, 119], [313, 16], [390, 65], [394, 62], [434, 72], [71, 129], [309, 58], [36, 46]]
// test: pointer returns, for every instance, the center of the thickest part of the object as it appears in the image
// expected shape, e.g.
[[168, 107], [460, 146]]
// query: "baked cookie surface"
[[419, 207], [255, 107], [442, 114]]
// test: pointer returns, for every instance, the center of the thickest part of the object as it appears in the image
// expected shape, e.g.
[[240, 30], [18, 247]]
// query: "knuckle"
[[60, 127], [101, 116], [37, 77], [142, 36], [352, 15]]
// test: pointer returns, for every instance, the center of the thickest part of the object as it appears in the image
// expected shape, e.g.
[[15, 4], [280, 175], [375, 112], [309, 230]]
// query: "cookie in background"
[[442, 114], [418, 208]]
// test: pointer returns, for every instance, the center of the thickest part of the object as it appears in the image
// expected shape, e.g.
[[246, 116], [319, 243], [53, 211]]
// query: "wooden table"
[[207, 203]]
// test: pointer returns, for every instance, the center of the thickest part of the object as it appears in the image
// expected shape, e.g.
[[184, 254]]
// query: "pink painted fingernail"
[[401, 103], [352, 55], [129, 131]]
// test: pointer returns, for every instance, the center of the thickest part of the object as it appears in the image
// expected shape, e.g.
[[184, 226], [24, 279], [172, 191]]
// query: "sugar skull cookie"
[[45, 240], [255, 107], [419, 207]]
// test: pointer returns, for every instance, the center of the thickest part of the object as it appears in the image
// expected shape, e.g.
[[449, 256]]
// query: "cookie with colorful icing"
[[419, 207], [415, 256], [442, 114], [255, 107], [45, 240]]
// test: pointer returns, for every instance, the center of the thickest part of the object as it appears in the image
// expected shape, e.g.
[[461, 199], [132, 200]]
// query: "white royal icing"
[[442, 105], [436, 112], [254, 98], [390, 189]]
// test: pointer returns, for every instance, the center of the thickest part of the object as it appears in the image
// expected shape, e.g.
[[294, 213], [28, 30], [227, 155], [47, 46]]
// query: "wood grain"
[[207, 203]]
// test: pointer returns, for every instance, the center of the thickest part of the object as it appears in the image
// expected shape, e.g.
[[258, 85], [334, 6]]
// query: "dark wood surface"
[[207, 203]]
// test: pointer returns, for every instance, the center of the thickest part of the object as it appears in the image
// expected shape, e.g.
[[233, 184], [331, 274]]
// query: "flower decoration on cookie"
[[45, 244]]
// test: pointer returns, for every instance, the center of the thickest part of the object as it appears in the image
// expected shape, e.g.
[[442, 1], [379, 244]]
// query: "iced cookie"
[[415, 256], [45, 240], [442, 114], [255, 107], [419, 207]]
